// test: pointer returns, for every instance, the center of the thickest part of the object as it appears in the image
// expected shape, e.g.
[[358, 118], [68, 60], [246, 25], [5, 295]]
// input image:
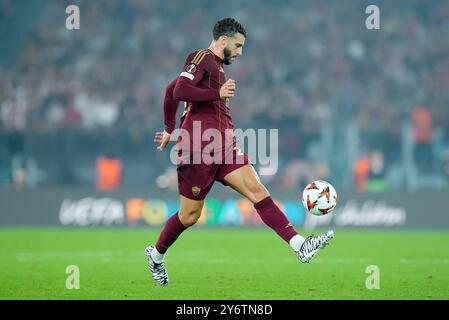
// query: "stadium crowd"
[[307, 67]]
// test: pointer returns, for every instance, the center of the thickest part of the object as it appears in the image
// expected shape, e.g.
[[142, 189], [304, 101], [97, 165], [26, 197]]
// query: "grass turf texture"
[[221, 264]]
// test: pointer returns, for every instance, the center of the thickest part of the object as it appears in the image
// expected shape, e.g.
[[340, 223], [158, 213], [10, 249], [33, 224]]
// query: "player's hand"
[[162, 139], [227, 90]]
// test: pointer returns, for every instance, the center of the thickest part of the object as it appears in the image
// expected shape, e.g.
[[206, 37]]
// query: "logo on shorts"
[[196, 190]]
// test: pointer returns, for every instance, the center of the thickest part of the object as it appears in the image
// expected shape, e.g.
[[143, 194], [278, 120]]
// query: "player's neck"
[[215, 50]]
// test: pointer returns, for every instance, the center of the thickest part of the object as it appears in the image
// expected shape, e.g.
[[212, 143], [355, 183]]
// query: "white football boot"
[[313, 244], [158, 270]]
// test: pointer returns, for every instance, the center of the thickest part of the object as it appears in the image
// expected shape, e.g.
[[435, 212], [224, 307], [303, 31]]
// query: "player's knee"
[[189, 218], [258, 192]]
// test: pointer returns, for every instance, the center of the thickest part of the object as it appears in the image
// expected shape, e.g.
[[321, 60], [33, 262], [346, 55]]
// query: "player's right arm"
[[170, 107], [194, 70]]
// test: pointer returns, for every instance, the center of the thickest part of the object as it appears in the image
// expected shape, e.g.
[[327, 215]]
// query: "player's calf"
[[257, 192]]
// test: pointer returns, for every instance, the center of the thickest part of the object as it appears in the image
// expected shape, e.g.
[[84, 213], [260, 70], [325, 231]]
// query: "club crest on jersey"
[[196, 190], [191, 68]]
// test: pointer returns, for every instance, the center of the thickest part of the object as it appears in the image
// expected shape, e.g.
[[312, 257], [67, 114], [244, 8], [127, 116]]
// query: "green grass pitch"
[[221, 264]]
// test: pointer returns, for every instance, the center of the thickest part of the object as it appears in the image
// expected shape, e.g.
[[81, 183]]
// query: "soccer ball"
[[319, 198]]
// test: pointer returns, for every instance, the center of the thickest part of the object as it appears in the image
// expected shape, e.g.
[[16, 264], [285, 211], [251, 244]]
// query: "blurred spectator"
[[423, 138], [369, 172], [109, 171], [376, 176], [361, 173]]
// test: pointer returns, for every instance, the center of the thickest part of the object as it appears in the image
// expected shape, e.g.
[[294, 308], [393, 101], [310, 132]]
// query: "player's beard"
[[227, 56]]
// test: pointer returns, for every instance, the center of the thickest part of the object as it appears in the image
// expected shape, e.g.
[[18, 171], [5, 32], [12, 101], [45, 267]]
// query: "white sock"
[[157, 256], [296, 242]]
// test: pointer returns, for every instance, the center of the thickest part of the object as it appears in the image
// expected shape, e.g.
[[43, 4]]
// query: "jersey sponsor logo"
[[196, 190], [191, 68], [187, 75]]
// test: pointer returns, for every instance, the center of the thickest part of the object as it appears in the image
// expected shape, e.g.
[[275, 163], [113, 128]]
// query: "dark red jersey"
[[199, 85]]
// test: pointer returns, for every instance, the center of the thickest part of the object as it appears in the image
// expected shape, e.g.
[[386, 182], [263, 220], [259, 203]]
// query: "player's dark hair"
[[227, 27]]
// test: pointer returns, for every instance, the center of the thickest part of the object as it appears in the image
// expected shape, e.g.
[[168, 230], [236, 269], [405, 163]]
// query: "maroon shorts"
[[196, 180]]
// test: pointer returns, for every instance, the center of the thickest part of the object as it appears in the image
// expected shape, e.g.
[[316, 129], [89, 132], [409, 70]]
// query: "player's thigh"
[[195, 180], [194, 183], [246, 181]]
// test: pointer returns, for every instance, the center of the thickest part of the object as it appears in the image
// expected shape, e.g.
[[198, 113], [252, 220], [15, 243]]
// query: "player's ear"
[[224, 40]]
